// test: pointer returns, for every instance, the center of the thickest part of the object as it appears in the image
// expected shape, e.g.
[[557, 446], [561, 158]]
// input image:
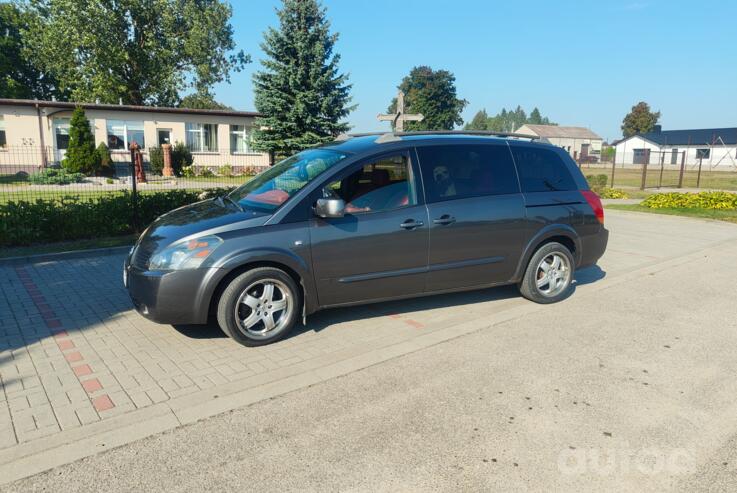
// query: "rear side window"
[[542, 170], [460, 171]]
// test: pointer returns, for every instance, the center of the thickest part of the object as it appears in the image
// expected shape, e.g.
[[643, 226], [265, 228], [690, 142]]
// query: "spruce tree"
[[81, 156], [300, 92]]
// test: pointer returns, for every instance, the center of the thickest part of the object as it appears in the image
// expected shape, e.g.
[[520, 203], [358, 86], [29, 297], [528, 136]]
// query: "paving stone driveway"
[[73, 352]]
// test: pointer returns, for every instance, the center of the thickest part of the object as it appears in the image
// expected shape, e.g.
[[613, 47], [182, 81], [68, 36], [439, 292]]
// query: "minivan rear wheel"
[[549, 274], [259, 306]]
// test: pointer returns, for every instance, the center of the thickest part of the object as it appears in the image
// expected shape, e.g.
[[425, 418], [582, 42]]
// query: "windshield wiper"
[[230, 199]]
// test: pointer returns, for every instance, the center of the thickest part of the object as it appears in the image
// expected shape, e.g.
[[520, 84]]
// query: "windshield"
[[270, 189]]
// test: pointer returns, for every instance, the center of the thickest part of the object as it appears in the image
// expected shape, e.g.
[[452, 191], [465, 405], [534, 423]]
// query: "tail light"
[[595, 203]]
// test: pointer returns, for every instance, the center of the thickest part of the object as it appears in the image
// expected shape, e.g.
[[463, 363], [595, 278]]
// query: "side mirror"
[[331, 207]]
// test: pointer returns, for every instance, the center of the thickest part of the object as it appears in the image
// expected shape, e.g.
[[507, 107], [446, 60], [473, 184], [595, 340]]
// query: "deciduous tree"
[[19, 77], [135, 51], [433, 94], [639, 120]]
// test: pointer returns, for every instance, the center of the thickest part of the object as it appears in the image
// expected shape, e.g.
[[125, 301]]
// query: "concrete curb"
[[50, 257], [39, 455]]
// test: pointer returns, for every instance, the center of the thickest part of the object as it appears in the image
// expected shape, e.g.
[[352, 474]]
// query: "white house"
[[712, 148], [580, 142], [36, 133]]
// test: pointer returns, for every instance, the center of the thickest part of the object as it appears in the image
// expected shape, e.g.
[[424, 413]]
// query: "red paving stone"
[[414, 323], [92, 385], [65, 344], [102, 403], [74, 356], [60, 334], [82, 370], [52, 323]]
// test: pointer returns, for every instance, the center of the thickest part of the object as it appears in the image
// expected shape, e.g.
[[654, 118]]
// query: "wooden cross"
[[399, 117]]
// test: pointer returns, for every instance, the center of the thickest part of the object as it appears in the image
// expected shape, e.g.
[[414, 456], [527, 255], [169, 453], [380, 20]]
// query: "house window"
[[3, 139], [238, 139], [121, 134], [202, 137], [61, 133], [703, 153], [641, 156]]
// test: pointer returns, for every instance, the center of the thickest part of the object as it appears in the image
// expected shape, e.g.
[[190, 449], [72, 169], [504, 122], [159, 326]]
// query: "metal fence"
[[32, 173], [669, 169]]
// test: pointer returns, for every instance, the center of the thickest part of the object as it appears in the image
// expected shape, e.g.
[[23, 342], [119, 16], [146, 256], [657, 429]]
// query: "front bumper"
[[172, 297]]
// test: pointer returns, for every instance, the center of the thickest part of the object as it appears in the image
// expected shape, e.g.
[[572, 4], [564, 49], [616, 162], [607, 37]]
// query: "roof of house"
[[560, 131], [123, 107], [701, 136]]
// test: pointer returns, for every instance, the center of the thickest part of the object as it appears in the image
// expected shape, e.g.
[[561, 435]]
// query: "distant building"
[[36, 133], [715, 147], [580, 142]]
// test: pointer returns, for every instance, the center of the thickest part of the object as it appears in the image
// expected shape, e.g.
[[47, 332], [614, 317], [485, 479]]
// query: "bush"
[[597, 182], [74, 217], [189, 172], [54, 176], [81, 155], [225, 170], [701, 200], [109, 181], [105, 160], [612, 193], [156, 160], [207, 173], [180, 157]]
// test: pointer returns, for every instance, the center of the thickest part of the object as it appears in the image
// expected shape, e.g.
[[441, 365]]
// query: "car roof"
[[373, 142]]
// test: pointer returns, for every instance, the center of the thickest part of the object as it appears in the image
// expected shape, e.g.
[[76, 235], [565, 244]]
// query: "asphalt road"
[[629, 386]]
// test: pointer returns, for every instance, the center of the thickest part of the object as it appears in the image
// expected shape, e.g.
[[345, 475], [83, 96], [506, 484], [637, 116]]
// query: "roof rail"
[[468, 132], [384, 137]]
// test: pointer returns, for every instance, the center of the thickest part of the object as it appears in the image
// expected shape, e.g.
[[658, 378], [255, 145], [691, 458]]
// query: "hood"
[[206, 217]]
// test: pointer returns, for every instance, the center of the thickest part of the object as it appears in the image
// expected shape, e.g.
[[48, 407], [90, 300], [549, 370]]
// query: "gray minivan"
[[368, 219]]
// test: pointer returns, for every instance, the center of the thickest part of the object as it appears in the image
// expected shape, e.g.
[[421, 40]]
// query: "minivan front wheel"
[[549, 274], [259, 306]]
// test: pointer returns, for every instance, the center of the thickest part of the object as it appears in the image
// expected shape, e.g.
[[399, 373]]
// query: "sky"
[[582, 63]]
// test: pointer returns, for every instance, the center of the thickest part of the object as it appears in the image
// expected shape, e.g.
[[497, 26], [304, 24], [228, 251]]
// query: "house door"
[[584, 151], [163, 136], [61, 138]]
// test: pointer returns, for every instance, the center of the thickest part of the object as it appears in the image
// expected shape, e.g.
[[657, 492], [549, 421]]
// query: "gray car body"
[[365, 258]]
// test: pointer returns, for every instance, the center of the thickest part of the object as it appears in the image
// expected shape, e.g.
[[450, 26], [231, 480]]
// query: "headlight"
[[184, 255]]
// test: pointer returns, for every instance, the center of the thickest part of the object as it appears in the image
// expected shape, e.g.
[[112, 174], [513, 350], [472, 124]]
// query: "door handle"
[[445, 219], [411, 224]]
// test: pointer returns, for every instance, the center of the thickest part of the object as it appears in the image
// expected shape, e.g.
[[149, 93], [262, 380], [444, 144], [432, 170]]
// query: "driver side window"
[[381, 185]]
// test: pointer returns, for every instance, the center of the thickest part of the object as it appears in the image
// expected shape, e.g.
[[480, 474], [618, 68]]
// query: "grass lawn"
[[68, 246], [720, 215]]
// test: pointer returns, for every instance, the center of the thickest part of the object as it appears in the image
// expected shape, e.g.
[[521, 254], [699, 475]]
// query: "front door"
[[163, 136], [61, 138], [379, 248], [476, 214]]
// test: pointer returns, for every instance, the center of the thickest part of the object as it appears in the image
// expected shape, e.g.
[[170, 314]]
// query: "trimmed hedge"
[[75, 217], [701, 200]]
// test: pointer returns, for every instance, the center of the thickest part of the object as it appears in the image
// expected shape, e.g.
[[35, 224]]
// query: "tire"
[[253, 314], [541, 287]]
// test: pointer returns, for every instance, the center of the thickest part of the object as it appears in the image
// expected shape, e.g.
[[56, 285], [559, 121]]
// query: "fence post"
[[698, 176], [644, 168], [614, 165], [662, 165], [134, 191], [683, 168], [168, 170]]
